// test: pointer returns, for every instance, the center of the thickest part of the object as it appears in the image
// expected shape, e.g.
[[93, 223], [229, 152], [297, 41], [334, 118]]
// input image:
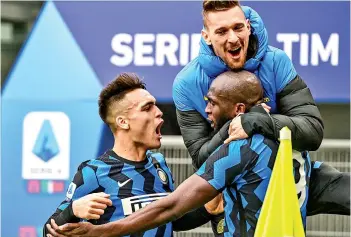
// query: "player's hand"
[[91, 206], [52, 230], [81, 229], [215, 206], [236, 131], [266, 107]]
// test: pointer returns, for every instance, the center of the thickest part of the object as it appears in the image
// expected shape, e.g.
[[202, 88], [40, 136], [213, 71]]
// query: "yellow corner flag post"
[[280, 214]]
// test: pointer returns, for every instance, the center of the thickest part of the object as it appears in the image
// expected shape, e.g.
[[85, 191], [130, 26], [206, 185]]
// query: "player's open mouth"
[[235, 52], [211, 122], [158, 129]]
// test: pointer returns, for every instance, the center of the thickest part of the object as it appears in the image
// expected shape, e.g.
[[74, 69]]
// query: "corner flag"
[[280, 214]]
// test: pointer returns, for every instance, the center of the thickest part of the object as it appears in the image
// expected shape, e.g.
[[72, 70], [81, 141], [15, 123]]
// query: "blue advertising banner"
[[156, 39], [51, 122]]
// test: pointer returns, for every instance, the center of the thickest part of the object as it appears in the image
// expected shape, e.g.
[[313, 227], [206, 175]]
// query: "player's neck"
[[127, 149]]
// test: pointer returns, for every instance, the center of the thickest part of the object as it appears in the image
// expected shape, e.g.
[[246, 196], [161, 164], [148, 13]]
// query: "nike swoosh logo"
[[124, 183]]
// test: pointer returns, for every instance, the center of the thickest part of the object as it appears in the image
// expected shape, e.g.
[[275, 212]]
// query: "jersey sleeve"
[[83, 183], [224, 166]]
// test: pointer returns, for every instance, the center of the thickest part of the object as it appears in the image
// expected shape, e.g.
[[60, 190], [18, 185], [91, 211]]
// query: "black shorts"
[[329, 191]]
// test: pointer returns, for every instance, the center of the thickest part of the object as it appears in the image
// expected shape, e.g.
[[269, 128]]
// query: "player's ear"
[[206, 36], [240, 108], [248, 25], [122, 122]]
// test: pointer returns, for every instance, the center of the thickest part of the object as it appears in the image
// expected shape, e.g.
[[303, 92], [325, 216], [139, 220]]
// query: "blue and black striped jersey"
[[242, 170], [132, 185]]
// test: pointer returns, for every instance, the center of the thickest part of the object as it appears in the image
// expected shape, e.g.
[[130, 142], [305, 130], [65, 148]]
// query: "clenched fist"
[[91, 206]]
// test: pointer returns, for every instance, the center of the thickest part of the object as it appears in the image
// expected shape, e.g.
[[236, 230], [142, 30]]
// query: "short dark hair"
[[239, 87], [116, 90], [216, 6]]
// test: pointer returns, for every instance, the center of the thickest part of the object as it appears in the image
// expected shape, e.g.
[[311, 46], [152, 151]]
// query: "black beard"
[[221, 121]]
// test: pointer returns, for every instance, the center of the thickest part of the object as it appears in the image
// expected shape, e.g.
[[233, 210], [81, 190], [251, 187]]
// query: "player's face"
[[228, 32], [145, 119], [218, 111]]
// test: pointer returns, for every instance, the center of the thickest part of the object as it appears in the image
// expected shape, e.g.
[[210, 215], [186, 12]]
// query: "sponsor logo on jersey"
[[133, 204]]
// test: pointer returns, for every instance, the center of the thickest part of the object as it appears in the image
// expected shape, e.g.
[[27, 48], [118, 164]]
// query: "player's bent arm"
[[198, 136], [302, 115], [296, 107], [192, 193], [298, 112], [63, 214], [66, 212]]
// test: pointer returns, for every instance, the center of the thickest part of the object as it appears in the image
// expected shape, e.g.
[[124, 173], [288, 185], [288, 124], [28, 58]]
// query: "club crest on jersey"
[[220, 226], [162, 175], [266, 99], [70, 191]]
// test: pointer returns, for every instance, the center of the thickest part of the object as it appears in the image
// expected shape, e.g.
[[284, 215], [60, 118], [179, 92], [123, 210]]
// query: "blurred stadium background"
[[59, 65]]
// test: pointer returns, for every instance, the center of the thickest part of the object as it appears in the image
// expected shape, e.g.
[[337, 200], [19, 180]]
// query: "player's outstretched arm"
[[192, 220], [192, 193]]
